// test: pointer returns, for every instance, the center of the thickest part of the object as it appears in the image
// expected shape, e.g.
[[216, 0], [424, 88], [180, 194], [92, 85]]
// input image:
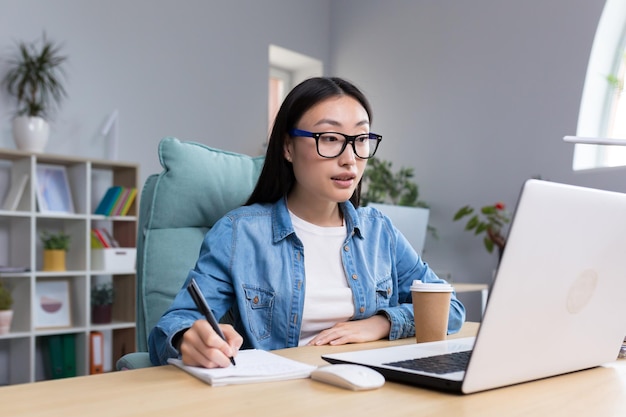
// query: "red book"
[[101, 238]]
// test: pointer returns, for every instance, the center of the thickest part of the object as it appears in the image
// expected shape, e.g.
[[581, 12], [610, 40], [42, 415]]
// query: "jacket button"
[[255, 300], [355, 276], [388, 291], [362, 309], [346, 248]]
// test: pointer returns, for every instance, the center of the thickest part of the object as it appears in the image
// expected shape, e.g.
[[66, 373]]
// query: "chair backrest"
[[197, 186]]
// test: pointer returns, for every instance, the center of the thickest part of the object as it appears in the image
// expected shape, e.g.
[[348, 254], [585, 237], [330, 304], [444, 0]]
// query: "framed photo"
[[53, 189], [52, 304]]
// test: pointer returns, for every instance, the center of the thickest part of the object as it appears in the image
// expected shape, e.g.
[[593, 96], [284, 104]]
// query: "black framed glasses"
[[332, 144]]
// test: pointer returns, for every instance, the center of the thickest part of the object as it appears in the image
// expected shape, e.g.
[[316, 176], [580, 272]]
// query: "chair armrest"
[[135, 360]]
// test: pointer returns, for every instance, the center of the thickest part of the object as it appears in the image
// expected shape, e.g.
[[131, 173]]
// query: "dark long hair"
[[277, 177]]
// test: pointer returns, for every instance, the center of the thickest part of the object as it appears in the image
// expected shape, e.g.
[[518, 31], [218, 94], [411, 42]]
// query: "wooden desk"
[[167, 391]]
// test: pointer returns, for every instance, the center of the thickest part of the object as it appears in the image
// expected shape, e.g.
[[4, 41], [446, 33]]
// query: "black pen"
[[202, 305]]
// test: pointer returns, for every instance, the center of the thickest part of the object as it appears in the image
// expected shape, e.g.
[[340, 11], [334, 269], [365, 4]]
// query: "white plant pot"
[[6, 316], [30, 133]]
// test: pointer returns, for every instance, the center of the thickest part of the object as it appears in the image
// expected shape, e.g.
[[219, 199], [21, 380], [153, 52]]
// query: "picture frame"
[[53, 189], [53, 306]]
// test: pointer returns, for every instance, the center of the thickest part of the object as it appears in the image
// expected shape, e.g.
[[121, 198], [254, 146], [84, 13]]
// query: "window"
[[603, 104], [280, 84], [617, 114], [287, 69]]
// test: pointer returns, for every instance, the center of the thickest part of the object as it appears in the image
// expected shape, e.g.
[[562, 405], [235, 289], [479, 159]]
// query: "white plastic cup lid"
[[431, 286]]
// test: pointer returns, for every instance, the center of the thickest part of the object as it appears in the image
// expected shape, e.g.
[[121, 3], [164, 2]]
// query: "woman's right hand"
[[202, 346]]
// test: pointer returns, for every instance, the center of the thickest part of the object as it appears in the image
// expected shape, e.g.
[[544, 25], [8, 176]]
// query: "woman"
[[301, 263]]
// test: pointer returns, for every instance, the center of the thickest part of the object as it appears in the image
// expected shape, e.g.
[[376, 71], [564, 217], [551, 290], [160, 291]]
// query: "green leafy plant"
[[382, 185], [35, 77], [102, 294], [58, 241], [489, 220], [6, 299], [617, 81]]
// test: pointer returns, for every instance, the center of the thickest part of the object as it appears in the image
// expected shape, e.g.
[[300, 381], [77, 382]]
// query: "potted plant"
[[102, 296], [490, 220], [382, 185], [397, 195], [6, 314], [55, 247], [34, 78]]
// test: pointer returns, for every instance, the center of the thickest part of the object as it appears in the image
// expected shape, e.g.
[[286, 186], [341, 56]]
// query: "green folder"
[[54, 353], [69, 355], [60, 356]]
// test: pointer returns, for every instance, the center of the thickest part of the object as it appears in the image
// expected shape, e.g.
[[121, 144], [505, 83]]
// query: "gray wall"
[[194, 69], [475, 95]]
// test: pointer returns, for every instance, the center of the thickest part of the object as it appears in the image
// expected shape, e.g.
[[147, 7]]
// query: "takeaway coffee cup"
[[431, 306]]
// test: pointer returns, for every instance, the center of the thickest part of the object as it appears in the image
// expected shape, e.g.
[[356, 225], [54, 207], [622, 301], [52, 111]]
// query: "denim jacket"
[[251, 266]]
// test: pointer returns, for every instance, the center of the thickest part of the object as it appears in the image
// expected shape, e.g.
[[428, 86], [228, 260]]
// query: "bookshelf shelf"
[[23, 351]]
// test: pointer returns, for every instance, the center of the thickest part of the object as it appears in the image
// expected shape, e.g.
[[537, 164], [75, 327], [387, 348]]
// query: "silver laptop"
[[557, 304]]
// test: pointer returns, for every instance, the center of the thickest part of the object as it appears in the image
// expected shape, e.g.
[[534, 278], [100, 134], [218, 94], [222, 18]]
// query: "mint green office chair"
[[197, 186]]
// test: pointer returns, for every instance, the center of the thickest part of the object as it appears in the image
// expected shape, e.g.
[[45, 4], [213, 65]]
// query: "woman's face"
[[321, 179]]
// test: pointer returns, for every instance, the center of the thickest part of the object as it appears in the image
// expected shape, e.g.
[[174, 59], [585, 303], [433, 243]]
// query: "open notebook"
[[252, 366], [557, 304]]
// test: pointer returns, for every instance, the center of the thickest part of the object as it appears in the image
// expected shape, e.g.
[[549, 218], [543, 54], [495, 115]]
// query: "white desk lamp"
[[594, 141]]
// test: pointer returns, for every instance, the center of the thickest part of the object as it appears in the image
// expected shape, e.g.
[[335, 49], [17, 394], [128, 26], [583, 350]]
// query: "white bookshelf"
[[21, 356]]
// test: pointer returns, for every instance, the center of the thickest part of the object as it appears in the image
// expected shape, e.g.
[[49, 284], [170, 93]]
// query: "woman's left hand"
[[357, 331]]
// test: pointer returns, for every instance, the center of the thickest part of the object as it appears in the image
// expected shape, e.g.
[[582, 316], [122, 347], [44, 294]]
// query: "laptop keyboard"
[[440, 364]]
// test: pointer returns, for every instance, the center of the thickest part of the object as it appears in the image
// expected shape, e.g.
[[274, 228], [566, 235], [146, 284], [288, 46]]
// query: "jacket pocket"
[[384, 291], [259, 308]]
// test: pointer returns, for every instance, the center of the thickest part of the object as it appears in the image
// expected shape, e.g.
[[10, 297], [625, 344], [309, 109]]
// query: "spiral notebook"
[[253, 366]]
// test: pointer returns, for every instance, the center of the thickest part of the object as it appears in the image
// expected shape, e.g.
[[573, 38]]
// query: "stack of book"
[[116, 201], [102, 239]]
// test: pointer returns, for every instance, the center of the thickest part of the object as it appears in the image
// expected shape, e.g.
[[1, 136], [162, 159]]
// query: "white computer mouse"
[[353, 377]]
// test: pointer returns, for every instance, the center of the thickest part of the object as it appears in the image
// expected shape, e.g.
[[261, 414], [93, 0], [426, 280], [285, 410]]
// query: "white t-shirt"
[[328, 299]]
